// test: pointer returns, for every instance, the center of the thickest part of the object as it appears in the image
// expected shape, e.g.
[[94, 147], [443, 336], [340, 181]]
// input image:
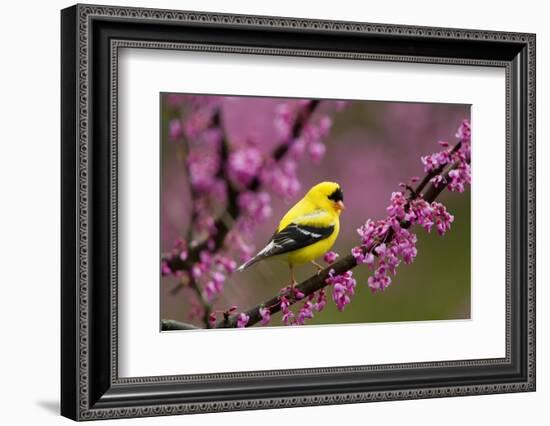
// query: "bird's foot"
[[318, 267]]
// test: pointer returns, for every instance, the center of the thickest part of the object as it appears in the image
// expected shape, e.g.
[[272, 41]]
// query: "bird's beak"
[[339, 206]]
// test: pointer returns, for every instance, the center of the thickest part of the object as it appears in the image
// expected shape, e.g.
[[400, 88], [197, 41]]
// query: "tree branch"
[[168, 325]]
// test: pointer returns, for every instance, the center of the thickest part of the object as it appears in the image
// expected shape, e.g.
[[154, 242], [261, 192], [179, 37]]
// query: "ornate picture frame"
[[91, 37]]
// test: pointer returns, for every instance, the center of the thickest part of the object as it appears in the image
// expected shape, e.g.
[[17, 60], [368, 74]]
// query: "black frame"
[[91, 388]]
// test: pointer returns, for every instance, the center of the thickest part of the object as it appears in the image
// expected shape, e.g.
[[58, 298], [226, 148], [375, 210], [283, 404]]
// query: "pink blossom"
[[305, 313], [283, 120], [197, 122], [317, 151], [343, 287], [330, 257], [212, 319], [244, 165], [175, 129], [196, 271], [325, 124], [464, 132], [265, 313], [459, 177], [255, 205], [380, 280], [358, 254], [321, 301], [436, 180], [372, 231], [165, 269], [434, 161], [242, 320], [226, 263], [206, 259], [238, 239], [397, 206], [381, 250], [281, 178], [211, 290], [297, 148], [311, 133], [212, 137], [288, 315], [202, 170], [420, 213], [442, 218]]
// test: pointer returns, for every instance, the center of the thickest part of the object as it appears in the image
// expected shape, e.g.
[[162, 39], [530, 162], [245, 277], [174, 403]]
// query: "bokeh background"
[[372, 146]]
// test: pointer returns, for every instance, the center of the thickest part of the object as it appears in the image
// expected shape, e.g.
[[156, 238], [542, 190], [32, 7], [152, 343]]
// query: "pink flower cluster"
[[385, 243], [244, 165], [388, 242], [402, 247], [211, 272], [179, 251], [265, 314], [242, 318], [255, 206], [343, 288], [281, 177], [314, 302], [460, 175], [288, 315], [330, 257]]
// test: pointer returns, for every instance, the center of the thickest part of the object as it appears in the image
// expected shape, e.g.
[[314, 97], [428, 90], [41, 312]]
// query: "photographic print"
[[291, 212], [318, 197]]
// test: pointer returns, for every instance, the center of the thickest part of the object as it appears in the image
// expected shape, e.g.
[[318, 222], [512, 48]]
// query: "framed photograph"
[[263, 212]]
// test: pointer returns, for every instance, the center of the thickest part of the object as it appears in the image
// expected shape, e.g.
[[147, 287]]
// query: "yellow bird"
[[308, 230]]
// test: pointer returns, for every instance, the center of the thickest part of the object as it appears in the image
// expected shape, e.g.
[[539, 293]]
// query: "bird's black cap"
[[337, 195]]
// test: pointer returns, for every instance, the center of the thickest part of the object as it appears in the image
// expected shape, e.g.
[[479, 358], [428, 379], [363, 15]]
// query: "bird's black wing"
[[295, 237]]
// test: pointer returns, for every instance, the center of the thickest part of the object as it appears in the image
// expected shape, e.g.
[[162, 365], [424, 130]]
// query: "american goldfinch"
[[307, 230]]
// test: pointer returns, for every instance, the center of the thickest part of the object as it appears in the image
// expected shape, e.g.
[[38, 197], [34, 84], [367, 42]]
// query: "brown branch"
[[168, 325], [318, 281]]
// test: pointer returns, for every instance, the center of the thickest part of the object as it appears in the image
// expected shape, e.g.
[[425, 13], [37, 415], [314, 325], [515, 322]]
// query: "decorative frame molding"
[[91, 37]]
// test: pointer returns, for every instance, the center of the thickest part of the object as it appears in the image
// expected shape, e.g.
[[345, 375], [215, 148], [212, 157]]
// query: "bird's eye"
[[337, 195]]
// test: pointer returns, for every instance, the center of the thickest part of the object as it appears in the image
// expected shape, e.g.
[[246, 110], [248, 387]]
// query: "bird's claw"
[[319, 268]]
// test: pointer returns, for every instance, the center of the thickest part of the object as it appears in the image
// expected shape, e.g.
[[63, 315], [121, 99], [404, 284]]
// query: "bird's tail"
[[249, 262]]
